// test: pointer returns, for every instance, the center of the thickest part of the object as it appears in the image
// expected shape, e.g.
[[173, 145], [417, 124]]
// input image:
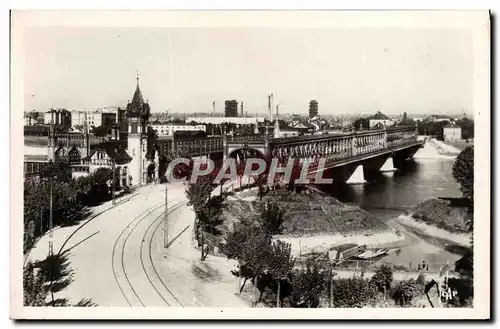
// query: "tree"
[[57, 273], [272, 218], [151, 143], [280, 263], [382, 278], [250, 246], [361, 123], [101, 131], [198, 195], [308, 285], [36, 287], [209, 220], [34, 291], [463, 172], [352, 292], [405, 118], [232, 249], [59, 171], [405, 291]]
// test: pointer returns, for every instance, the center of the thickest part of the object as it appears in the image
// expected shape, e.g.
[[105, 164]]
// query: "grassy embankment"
[[437, 219], [312, 219], [439, 213]]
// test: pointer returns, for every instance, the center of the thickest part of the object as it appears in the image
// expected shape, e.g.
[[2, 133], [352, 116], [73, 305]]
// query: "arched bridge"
[[344, 153]]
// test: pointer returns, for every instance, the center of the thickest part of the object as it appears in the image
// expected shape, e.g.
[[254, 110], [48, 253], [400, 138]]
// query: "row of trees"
[[70, 198]]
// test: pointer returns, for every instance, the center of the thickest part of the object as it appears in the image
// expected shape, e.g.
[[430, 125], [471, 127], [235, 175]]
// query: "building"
[[57, 117], [79, 117], [380, 119], [138, 113], [282, 130], [313, 109], [439, 118], [29, 120], [169, 129], [107, 116], [452, 134], [221, 120], [106, 155], [231, 108], [33, 118]]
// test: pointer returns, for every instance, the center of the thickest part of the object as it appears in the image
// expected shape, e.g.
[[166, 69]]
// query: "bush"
[[308, 285], [353, 292], [382, 278], [465, 291], [405, 291]]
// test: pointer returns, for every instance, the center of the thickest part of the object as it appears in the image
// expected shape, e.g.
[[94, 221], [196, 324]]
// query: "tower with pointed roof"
[[138, 113]]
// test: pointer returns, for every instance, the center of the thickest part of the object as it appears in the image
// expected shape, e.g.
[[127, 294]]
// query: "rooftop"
[[379, 116]]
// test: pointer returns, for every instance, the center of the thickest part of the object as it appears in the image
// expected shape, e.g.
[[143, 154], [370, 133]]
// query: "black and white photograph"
[[250, 164]]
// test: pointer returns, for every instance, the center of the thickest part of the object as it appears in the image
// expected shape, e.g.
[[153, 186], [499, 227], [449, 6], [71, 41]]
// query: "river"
[[428, 175]]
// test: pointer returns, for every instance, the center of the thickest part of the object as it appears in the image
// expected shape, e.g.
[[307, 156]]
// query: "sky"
[[185, 69]]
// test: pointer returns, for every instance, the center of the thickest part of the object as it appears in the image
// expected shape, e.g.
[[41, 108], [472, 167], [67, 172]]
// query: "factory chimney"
[[269, 107], [241, 108], [272, 105]]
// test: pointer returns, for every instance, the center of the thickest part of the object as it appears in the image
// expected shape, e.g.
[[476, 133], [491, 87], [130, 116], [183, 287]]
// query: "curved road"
[[119, 259]]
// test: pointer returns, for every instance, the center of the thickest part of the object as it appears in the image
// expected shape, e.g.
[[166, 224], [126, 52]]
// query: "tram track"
[[138, 218], [119, 271], [158, 221]]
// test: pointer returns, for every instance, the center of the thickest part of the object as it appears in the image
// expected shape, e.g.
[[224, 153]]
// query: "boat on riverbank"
[[373, 253]]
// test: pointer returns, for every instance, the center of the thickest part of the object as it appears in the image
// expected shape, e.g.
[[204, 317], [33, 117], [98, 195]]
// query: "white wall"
[[374, 122], [168, 130], [452, 134]]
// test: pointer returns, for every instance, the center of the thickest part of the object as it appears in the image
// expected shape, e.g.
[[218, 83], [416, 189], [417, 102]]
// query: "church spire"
[[137, 79]]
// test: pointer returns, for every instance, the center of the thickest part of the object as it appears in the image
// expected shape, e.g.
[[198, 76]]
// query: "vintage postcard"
[[250, 165]]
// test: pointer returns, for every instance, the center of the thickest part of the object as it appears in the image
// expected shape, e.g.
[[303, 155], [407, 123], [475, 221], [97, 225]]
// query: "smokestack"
[[272, 105], [241, 108], [277, 107], [213, 107], [269, 106]]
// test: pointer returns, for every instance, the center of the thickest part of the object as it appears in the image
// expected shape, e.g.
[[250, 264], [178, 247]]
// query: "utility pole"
[[51, 223], [165, 227], [51, 183], [113, 183]]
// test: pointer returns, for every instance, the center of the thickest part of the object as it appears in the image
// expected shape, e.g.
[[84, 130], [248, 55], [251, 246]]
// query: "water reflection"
[[417, 181]]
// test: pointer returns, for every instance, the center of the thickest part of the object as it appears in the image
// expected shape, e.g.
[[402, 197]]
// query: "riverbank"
[[439, 214], [313, 221]]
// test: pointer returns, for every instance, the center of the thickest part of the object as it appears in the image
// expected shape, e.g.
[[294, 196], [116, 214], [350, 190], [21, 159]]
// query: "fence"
[[369, 265]]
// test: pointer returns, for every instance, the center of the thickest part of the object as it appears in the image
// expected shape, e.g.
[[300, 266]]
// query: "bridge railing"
[[246, 138], [199, 147], [342, 146]]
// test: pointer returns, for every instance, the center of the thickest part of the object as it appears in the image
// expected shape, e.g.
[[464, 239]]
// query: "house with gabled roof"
[[106, 155], [380, 118]]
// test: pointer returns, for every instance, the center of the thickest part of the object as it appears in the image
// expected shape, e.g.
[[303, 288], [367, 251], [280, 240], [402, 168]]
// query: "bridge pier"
[[358, 176], [388, 166], [400, 157]]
